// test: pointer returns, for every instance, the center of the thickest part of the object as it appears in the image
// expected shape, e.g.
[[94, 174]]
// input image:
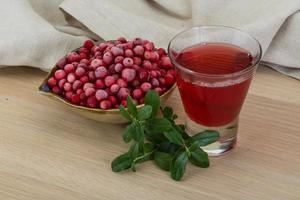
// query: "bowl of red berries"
[[95, 79]]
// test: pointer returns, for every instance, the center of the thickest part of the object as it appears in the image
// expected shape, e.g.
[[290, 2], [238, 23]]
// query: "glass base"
[[228, 136]]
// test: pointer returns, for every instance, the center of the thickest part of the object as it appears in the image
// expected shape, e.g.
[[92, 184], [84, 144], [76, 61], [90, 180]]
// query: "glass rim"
[[230, 75]]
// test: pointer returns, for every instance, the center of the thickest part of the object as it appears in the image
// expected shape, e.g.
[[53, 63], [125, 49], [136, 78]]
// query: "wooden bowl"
[[108, 116]]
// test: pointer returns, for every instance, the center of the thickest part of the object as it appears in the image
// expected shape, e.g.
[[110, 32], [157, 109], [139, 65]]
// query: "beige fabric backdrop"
[[38, 32]]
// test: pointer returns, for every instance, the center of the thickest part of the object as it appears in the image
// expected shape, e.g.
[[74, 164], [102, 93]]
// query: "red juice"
[[213, 102]]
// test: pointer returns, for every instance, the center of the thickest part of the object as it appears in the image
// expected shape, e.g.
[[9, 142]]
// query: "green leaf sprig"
[[160, 139]]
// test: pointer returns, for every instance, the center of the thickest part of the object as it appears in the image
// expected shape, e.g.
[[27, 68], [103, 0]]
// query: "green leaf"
[[158, 125], [168, 112], [178, 166], [129, 133], [168, 147], [131, 107], [124, 113], [163, 160], [138, 132], [205, 138], [148, 147], [194, 146], [152, 99], [144, 113], [181, 129], [121, 163], [135, 150], [199, 158], [174, 137]]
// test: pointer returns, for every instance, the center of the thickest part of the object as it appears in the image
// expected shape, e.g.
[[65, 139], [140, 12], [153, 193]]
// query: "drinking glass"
[[212, 101]]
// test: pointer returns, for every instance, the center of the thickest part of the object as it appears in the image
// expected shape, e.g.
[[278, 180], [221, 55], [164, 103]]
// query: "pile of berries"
[[103, 75]]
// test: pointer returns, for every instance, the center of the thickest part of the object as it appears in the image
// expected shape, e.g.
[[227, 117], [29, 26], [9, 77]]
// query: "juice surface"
[[214, 103]]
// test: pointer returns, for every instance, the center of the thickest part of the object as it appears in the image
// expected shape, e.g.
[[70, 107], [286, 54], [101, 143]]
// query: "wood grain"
[[48, 152]]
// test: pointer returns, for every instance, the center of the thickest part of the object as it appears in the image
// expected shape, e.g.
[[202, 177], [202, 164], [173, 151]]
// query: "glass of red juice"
[[215, 66]]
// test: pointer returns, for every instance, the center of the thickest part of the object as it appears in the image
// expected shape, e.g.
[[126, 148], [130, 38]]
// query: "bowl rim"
[[97, 110]]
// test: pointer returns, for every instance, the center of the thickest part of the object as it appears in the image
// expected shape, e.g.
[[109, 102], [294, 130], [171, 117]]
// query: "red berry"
[[88, 44], [123, 93], [69, 68], [116, 76], [91, 75], [118, 67], [122, 83], [138, 50], [158, 90], [102, 46], [147, 64], [73, 57], [60, 74], [76, 85], [122, 39], [92, 102], [88, 85], [129, 45], [61, 83], [105, 104], [52, 82], [71, 78], [154, 82], [108, 58], [135, 83], [172, 72], [149, 46], [75, 98], [137, 41], [162, 81], [79, 91], [116, 51], [142, 100], [124, 103], [111, 69], [99, 84], [129, 53], [137, 94], [144, 75], [82, 65], [95, 63], [101, 94], [166, 62], [68, 95], [153, 74], [169, 79], [137, 60], [154, 56], [114, 88], [56, 90], [147, 55], [161, 52], [128, 74], [136, 67], [80, 71], [67, 87], [162, 72], [83, 56], [118, 59], [127, 62], [84, 79], [109, 80], [146, 86], [101, 72], [62, 62], [112, 99]]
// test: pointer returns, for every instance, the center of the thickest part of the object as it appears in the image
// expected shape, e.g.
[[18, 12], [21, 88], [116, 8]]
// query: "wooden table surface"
[[47, 152]]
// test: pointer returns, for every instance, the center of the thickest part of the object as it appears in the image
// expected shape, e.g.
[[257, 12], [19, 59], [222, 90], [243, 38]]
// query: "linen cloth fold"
[[38, 32]]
